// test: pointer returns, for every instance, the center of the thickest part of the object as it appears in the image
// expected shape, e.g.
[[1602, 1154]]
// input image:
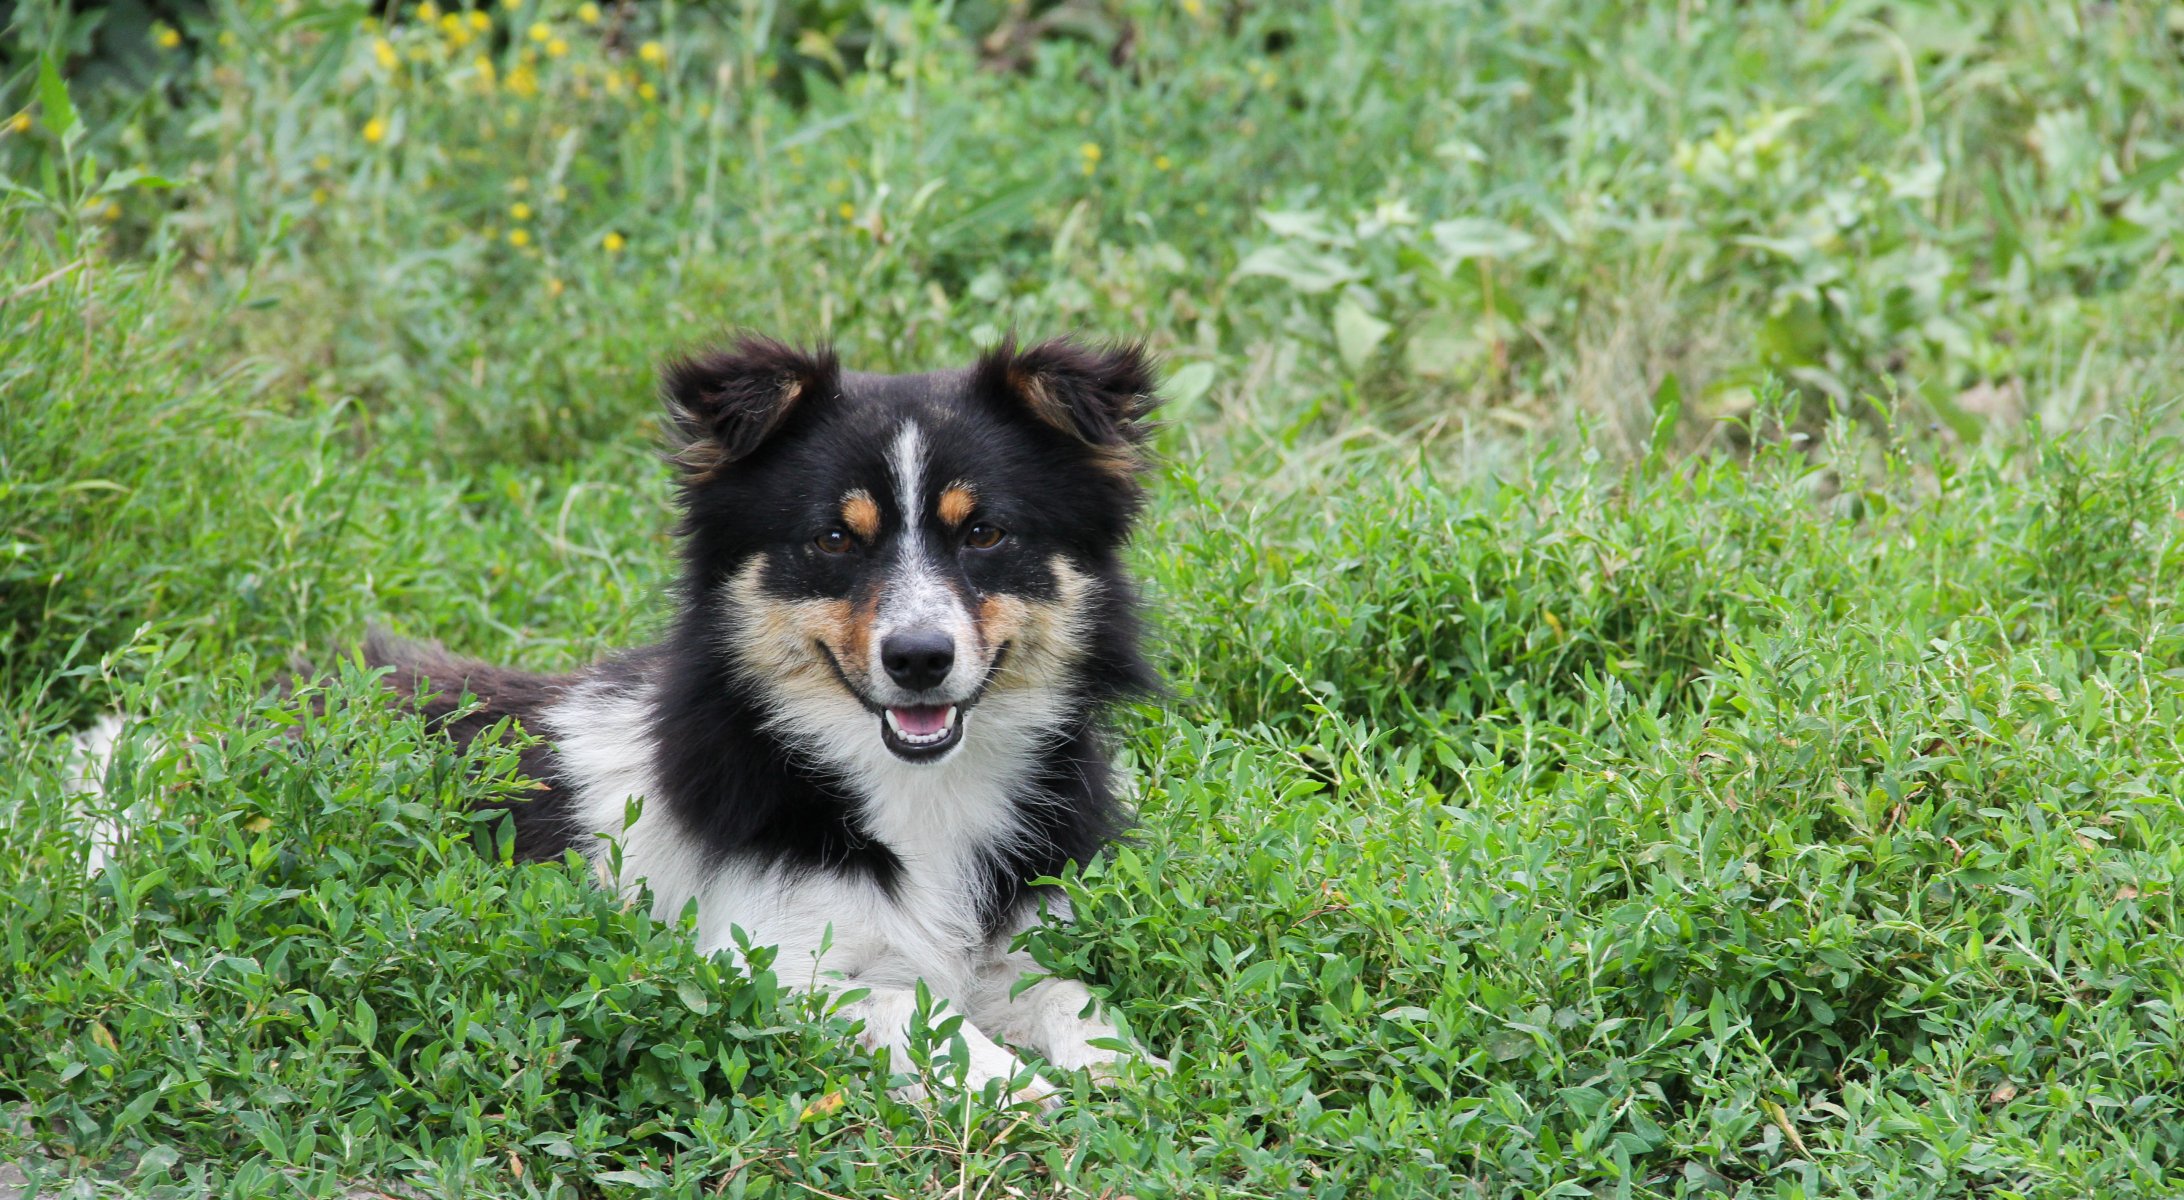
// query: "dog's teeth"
[[945, 731]]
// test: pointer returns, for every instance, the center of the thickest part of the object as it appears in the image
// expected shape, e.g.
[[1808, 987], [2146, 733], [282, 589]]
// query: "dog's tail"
[[466, 700], [414, 668], [463, 696]]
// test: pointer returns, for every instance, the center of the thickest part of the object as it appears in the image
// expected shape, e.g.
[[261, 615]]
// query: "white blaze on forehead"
[[906, 458], [916, 597]]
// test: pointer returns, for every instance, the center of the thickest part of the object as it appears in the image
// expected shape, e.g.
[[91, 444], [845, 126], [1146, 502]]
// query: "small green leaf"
[[693, 997], [1667, 414], [1357, 332], [1508, 1044], [1190, 382], [365, 1023], [60, 115], [1470, 237], [1258, 975], [129, 177], [137, 1110], [1309, 271]]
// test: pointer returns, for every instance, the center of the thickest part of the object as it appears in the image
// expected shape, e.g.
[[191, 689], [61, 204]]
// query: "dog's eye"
[[835, 541], [983, 536]]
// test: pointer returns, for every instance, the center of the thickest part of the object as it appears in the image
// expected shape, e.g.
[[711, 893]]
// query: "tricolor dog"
[[877, 715]]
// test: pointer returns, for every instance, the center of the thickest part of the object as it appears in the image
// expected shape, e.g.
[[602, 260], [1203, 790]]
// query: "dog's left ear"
[[725, 403], [1100, 395]]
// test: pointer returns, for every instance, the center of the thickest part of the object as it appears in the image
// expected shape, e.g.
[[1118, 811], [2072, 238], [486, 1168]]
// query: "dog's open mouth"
[[918, 732], [921, 731]]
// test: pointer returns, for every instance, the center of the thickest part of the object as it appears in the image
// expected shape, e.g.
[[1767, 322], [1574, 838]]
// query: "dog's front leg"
[[1057, 1017], [887, 1014]]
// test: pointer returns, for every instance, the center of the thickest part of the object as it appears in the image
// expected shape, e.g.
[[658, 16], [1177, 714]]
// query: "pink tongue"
[[922, 720]]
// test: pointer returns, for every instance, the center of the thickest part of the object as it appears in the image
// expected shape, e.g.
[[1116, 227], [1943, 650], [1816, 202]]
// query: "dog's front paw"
[[1034, 1090], [1025, 1087], [987, 1062], [1104, 1063]]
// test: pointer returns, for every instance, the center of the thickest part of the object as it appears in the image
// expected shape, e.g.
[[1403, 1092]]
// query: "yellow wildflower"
[[484, 67], [428, 12], [511, 5], [167, 37], [479, 21], [226, 39], [322, 162], [19, 123], [523, 81], [848, 211], [613, 242], [320, 195], [375, 130], [588, 13], [540, 31], [1162, 162], [553, 286], [647, 91], [519, 237], [652, 52], [520, 211], [556, 48], [383, 50], [1091, 154]]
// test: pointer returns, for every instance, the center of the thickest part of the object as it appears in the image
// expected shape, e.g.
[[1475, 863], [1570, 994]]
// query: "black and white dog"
[[877, 715]]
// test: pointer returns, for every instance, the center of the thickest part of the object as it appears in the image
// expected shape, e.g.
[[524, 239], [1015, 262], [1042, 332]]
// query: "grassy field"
[[1666, 558]]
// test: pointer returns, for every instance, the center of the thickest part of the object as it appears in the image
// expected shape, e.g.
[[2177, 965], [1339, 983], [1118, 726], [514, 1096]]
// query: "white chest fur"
[[939, 819]]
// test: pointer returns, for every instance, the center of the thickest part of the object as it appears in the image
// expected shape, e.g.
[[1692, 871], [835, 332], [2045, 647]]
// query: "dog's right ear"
[[724, 403]]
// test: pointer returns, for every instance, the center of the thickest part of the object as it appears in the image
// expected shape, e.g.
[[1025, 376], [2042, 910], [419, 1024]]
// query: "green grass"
[[1666, 562]]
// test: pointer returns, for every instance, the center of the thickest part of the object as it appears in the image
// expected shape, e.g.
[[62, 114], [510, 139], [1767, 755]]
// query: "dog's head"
[[915, 568]]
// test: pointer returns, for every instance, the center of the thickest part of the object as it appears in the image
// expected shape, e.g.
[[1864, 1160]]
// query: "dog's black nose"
[[918, 660]]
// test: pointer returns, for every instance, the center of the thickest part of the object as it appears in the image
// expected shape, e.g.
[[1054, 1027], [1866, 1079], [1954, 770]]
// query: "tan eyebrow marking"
[[861, 514], [956, 502]]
